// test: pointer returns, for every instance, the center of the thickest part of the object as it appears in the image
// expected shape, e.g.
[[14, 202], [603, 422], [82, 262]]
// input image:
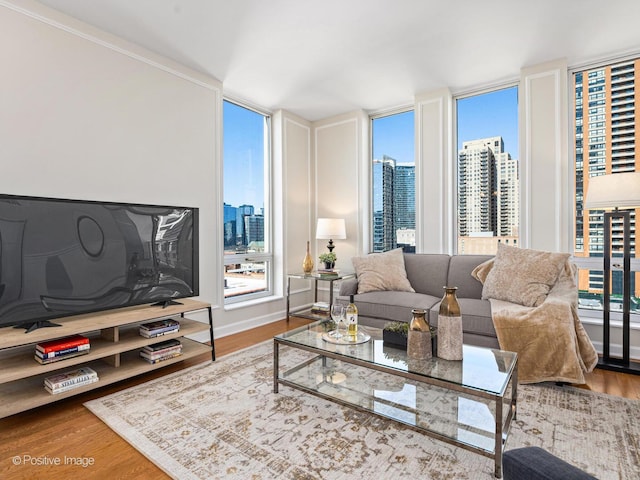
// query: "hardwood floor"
[[68, 430]]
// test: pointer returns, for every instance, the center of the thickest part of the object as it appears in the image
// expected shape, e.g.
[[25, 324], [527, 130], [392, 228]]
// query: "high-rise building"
[[404, 194], [241, 212], [383, 204], [254, 231], [605, 144], [230, 219], [477, 186], [394, 204], [488, 190], [508, 195]]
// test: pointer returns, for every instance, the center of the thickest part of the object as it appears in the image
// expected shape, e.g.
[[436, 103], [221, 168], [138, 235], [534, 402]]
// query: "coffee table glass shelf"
[[469, 403]]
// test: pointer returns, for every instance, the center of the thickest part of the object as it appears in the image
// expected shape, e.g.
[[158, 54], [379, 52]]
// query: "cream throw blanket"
[[550, 340]]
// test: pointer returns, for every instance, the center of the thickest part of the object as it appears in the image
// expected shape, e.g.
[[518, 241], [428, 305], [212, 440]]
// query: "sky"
[[486, 115], [490, 115], [243, 156]]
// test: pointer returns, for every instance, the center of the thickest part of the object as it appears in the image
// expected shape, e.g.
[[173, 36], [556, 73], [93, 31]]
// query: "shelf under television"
[[29, 393], [114, 354], [20, 363]]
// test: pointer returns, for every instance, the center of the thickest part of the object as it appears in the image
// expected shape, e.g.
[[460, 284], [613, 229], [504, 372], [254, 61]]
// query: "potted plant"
[[396, 334], [329, 260]]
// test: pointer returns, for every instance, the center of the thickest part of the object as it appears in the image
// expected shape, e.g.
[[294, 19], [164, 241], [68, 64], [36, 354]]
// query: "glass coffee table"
[[469, 403]]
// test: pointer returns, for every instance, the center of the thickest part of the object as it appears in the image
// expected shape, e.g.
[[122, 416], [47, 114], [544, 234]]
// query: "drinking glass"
[[337, 315]]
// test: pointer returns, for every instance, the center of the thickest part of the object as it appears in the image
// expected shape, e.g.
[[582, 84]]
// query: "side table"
[[316, 277]]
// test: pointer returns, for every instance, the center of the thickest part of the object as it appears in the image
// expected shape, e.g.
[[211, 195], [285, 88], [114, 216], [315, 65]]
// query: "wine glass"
[[337, 315]]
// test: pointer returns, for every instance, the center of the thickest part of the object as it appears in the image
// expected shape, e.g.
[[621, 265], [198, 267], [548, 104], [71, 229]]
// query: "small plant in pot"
[[329, 260], [397, 333]]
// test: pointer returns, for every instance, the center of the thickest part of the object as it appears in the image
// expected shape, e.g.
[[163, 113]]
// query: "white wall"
[[339, 150], [545, 171], [85, 115], [435, 172]]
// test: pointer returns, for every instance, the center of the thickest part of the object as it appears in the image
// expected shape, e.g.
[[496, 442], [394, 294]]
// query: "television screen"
[[66, 257]]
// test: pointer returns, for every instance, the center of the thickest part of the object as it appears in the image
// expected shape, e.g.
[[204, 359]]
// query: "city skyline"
[[487, 117]]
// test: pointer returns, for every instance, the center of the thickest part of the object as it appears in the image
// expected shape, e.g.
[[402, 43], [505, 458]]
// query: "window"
[[488, 175], [394, 182], [247, 251], [604, 143]]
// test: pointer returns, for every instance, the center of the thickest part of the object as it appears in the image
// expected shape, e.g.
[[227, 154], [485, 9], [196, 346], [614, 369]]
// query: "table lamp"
[[330, 228]]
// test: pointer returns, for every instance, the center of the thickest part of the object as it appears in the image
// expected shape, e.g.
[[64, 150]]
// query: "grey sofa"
[[428, 274]]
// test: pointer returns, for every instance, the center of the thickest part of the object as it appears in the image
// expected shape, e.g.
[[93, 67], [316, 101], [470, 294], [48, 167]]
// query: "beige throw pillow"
[[522, 276], [382, 271], [481, 271]]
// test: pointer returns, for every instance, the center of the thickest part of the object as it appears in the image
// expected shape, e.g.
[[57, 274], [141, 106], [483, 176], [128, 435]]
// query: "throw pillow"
[[382, 271], [481, 271], [522, 276]]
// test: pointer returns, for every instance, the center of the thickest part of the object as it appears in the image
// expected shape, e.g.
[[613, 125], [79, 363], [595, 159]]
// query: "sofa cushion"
[[382, 271], [427, 272], [392, 305], [476, 316], [460, 275], [522, 276]]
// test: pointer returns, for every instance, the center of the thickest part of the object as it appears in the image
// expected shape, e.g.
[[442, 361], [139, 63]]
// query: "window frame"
[[593, 316], [376, 116], [267, 256], [461, 95]]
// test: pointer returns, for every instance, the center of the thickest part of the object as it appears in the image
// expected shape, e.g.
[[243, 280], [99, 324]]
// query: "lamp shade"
[[617, 190], [330, 228]]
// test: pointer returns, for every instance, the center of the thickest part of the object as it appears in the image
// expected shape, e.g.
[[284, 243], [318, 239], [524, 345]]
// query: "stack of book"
[[62, 348], [320, 308], [159, 352], [159, 328], [324, 272], [63, 382]]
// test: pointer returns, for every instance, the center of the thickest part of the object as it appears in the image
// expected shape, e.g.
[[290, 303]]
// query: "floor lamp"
[[612, 193]]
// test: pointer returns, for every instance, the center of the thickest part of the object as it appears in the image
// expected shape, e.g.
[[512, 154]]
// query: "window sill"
[[252, 302]]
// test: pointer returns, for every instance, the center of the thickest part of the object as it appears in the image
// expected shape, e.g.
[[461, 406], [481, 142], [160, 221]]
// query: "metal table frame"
[[501, 433]]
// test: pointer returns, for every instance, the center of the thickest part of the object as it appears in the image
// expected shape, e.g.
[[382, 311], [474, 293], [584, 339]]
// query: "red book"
[[62, 343]]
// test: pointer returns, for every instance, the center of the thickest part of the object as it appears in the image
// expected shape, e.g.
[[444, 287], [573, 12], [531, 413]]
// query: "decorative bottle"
[[307, 264], [450, 326], [351, 315], [419, 336]]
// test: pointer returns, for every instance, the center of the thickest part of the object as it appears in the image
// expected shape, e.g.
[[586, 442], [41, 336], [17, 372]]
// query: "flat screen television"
[[66, 257]]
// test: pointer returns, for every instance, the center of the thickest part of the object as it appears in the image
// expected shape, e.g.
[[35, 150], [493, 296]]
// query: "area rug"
[[222, 420]]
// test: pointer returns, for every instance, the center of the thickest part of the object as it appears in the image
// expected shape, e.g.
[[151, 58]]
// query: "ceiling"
[[325, 57]]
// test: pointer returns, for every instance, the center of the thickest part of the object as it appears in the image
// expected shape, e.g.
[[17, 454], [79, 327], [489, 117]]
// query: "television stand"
[[30, 327], [114, 354]]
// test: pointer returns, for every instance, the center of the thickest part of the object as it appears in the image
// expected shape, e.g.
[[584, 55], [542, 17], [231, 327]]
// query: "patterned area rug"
[[222, 420]]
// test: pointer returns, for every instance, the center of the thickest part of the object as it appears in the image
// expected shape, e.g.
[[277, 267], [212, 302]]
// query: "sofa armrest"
[[348, 287]]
